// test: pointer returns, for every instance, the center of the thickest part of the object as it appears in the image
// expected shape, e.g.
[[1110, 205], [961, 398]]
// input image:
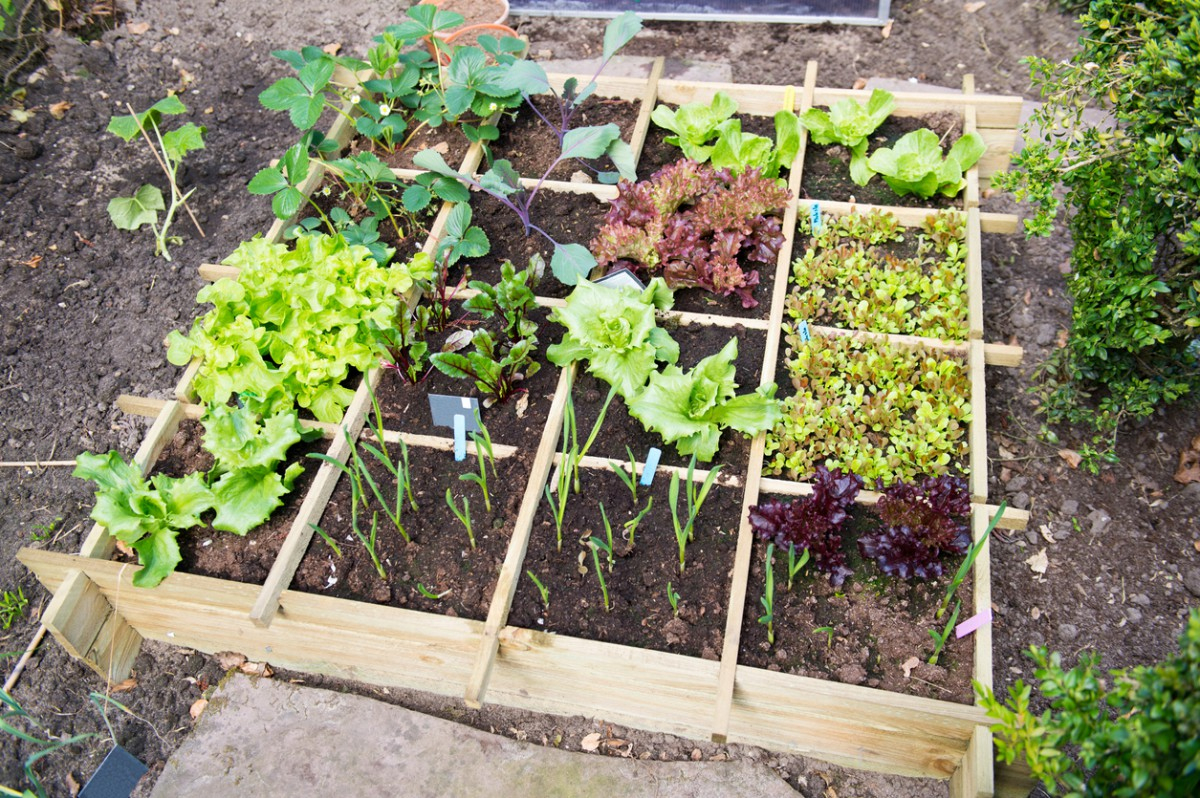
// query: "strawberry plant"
[[849, 277], [883, 411], [694, 225]]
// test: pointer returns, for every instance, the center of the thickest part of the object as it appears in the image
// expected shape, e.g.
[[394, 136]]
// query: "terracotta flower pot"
[[475, 12]]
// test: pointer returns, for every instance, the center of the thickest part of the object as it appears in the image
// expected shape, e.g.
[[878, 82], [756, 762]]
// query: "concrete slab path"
[[266, 738]]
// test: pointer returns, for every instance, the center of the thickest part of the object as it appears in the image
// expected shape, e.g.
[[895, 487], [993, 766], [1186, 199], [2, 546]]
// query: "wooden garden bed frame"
[[99, 617]]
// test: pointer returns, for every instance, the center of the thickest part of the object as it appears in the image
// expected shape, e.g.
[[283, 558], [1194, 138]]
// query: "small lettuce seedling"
[[169, 149], [849, 123], [915, 165]]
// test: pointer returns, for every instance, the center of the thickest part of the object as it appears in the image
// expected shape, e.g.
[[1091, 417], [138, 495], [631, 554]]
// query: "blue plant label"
[[651, 465], [815, 210], [461, 413], [805, 335]]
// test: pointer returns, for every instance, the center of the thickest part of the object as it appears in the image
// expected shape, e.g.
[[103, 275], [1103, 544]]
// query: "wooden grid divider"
[[726, 682], [970, 125], [982, 576], [977, 430]]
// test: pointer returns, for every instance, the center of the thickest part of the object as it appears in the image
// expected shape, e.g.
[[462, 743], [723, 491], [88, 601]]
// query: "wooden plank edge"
[[982, 599], [970, 125], [977, 429], [974, 274], [641, 128], [88, 628], [300, 533], [506, 584], [975, 777]]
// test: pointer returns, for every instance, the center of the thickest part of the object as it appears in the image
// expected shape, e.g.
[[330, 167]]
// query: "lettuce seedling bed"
[[98, 616]]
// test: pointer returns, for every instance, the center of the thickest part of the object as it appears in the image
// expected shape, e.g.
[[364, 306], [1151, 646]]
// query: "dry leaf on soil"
[[591, 742], [909, 664], [137, 28], [124, 686], [1039, 562], [230, 659], [887, 29], [1189, 464], [971, 8], [59, 110], [1071, 456], [198, 707]]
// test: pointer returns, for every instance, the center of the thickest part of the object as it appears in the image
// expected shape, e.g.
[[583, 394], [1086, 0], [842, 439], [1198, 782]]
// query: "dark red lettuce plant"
[[695, 225], [920, 523], [813, 523]]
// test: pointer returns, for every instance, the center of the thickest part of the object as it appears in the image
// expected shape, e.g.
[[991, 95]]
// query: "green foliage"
[[512, 298], [496, 369], [1138, 736], [463, 515], [768, 596], [916, 166], [12, 718], [147, 516], [289, 330], [242, 487], [849, 277], [132, 213], [880, 411], [691, 408], [695, 497], [849, 123], [1131, 187], [696, 124], [616, 332], [12, 607]]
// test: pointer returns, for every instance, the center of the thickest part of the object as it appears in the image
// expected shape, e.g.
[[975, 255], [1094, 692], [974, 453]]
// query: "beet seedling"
[[169, 149]]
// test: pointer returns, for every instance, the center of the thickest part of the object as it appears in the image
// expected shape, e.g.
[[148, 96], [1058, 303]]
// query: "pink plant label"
[[973, 623]]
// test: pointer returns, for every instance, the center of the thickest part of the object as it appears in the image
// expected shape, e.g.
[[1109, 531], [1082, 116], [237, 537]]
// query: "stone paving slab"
[[266, 738]]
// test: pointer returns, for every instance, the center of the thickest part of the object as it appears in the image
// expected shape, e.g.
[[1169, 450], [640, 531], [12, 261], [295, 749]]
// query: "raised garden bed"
[[702, 682]]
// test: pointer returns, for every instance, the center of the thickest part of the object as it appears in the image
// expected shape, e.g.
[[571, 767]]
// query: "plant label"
[[815, 212], [805, 335], [973, 623], [651, 466], [116, 777], [458, 412], [621, 278]]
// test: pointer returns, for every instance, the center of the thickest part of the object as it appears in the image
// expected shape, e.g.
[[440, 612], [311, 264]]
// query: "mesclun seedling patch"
[[854, 275], [881, 411]]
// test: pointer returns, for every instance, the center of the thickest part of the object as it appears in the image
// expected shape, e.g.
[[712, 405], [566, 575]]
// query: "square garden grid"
[[99, 617]]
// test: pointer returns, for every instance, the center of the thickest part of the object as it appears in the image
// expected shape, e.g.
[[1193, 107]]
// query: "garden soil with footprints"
[[85, 308]]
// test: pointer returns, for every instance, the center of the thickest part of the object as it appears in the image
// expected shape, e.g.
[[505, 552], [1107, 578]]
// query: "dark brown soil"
[[531, 145], [448, 141], [567, 218], [867, 631], [210, 552], [640, 613], [518, 420], [827, 167], [439, 557], [621, 429]]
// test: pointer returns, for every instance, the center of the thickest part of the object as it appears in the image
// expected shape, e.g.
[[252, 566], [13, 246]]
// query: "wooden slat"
[[974, 777], [99, 543], [1003, 223], [1015, 780], [216, 271], [974, 275], [499, 450], [637, 140], [970, 125], [727, 678], [506, 585], [84, 623], [851, 725], [977, 432], [982, 575], [311, 509], [183, 389], [1003, 355], [318, 634], [758, 100], [724, 478], [622, 87]]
